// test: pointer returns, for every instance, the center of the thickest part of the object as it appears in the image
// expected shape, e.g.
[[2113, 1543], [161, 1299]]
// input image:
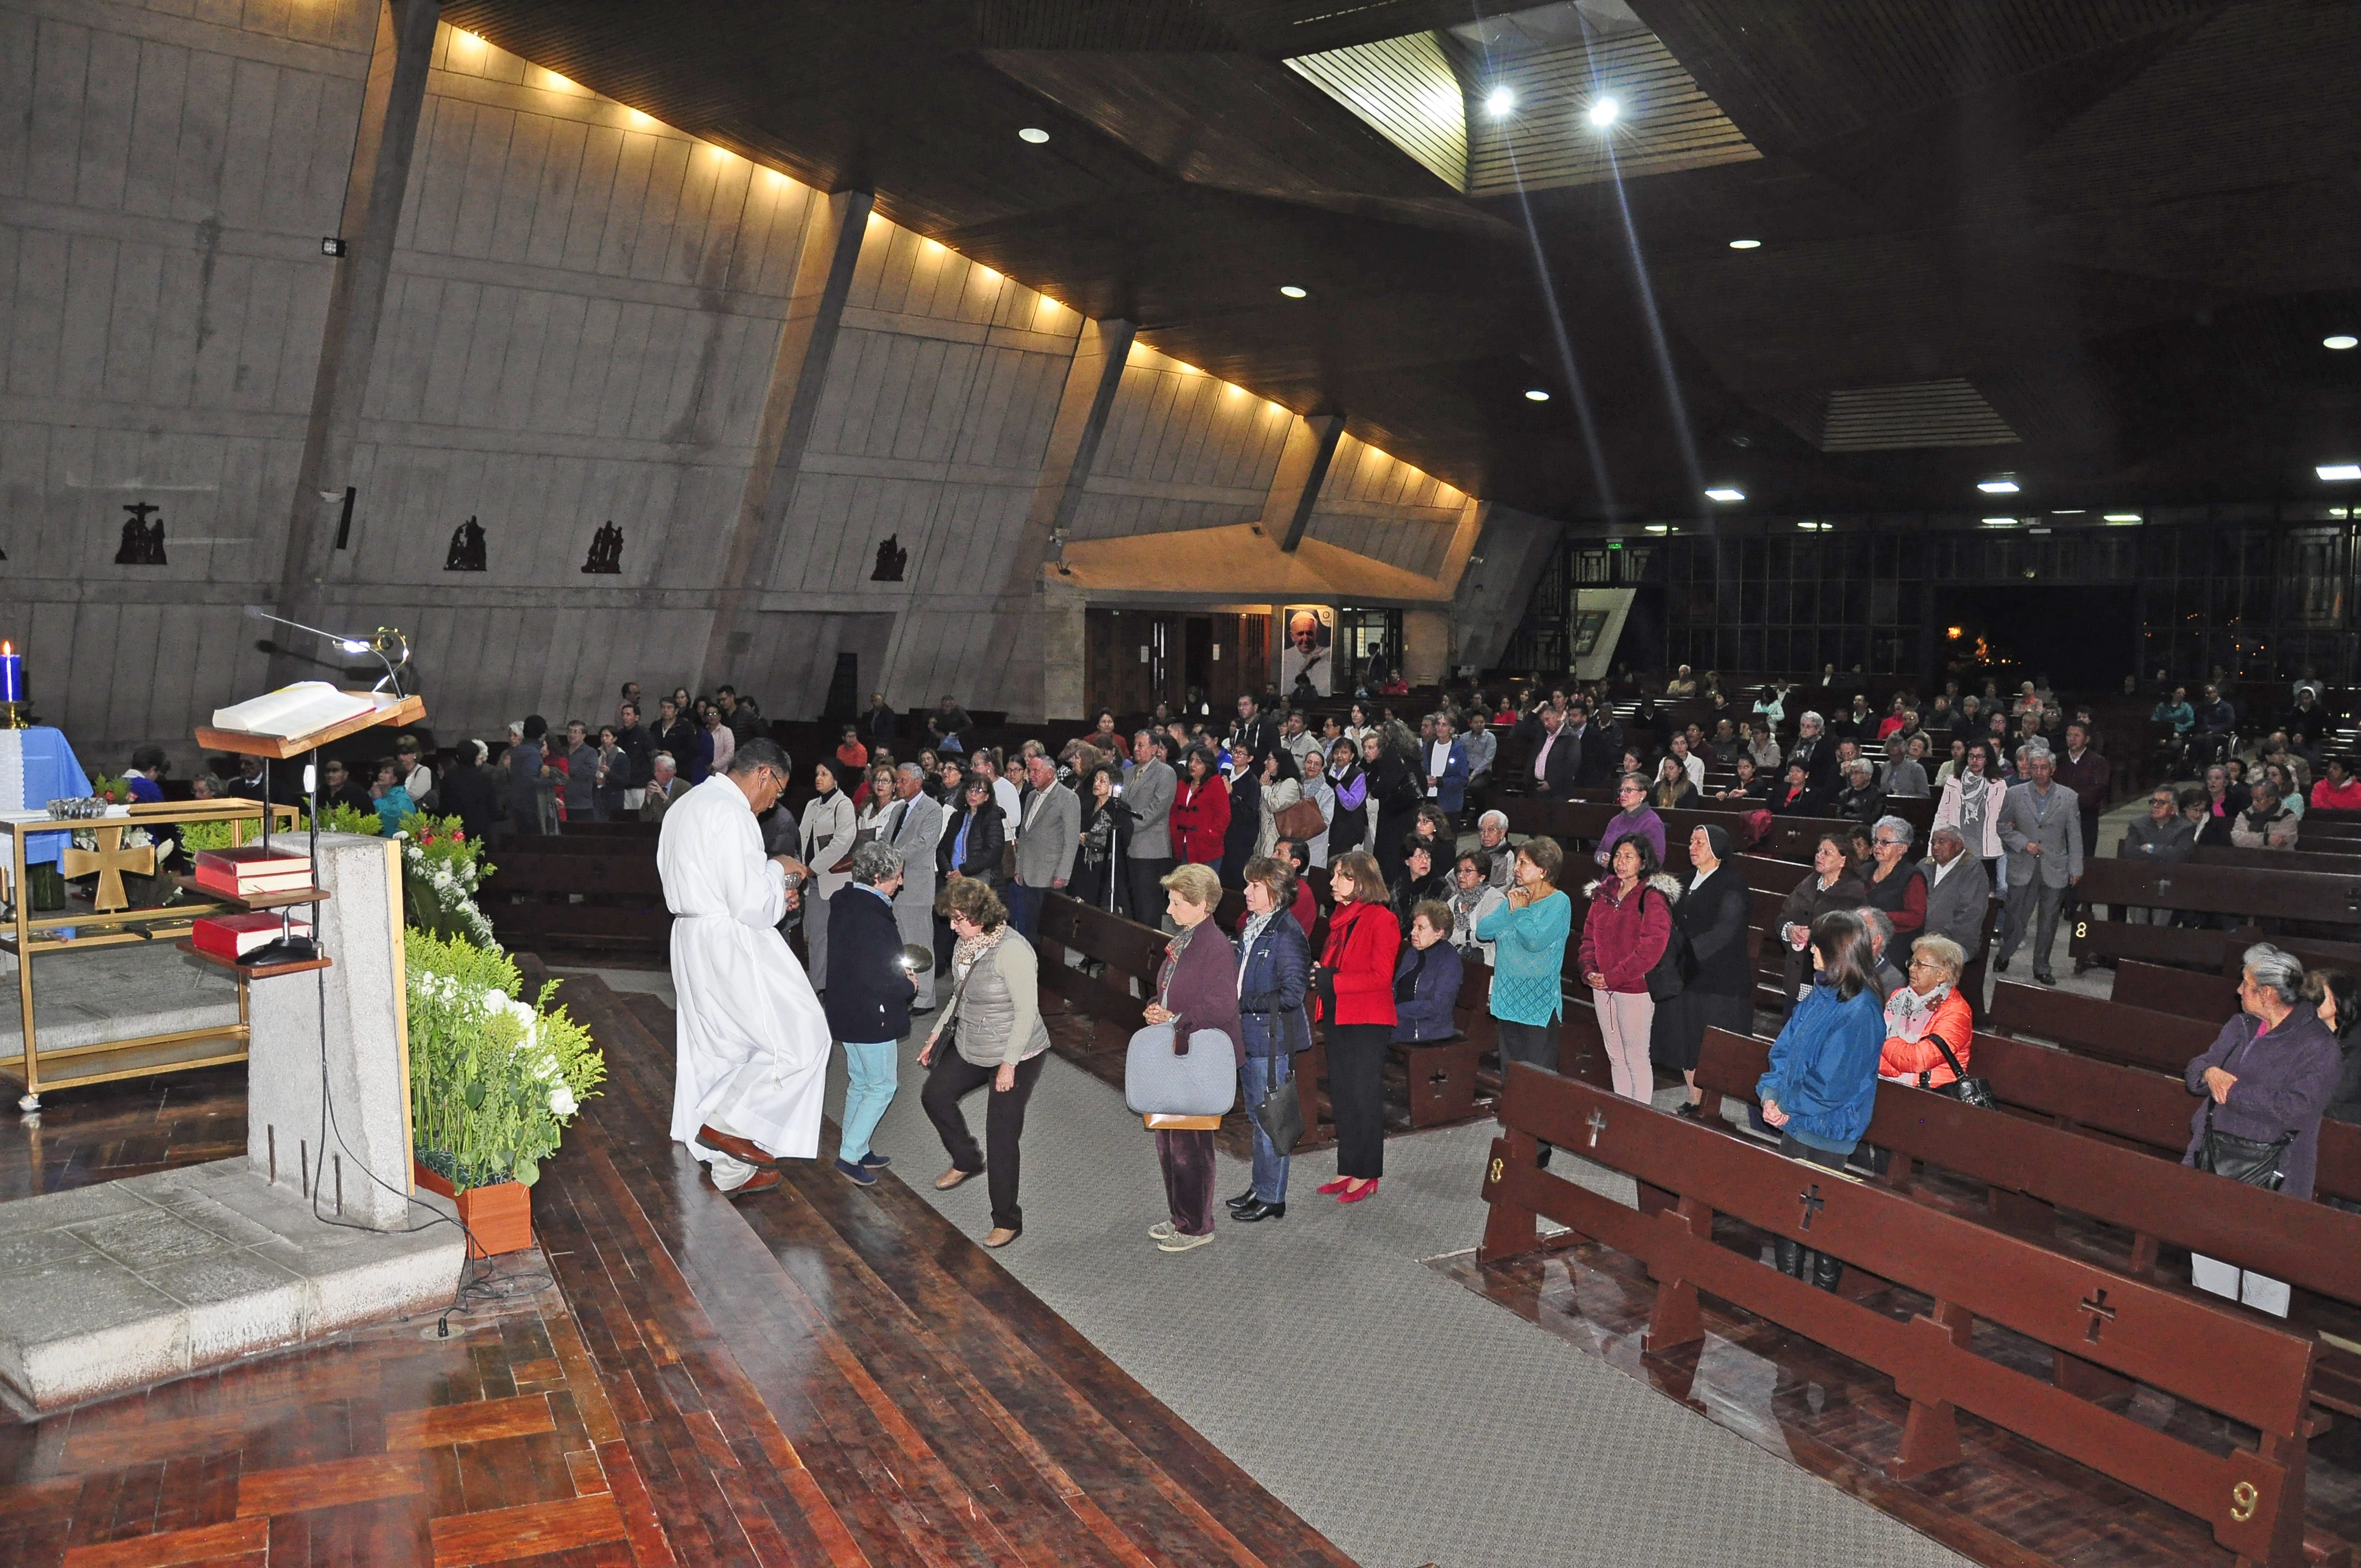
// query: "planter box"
[[499, 1217]]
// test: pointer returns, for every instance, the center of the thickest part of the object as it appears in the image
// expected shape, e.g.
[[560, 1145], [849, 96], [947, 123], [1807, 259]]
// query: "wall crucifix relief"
[[891, 559], [467, 551], [605, 550], [143, 542]]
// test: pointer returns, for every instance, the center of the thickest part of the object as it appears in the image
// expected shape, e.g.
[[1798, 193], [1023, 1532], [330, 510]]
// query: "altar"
[[36, 766]]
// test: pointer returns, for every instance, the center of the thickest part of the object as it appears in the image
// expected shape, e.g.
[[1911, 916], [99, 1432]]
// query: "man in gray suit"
[[1150, 796], [1047, 834], [912, 830], [1959, 890], [2041, 823]]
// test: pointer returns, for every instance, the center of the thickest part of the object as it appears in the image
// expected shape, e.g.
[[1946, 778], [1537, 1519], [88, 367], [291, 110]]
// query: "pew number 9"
[[2243, 1498]]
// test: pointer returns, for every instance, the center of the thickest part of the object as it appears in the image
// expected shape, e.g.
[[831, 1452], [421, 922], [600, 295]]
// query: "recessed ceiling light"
[[1813, 527], [1724, 493], [2121, 518], [2000, 522], [2339, 470], [1745, 245], [1291, 290], [1498, 102], [1660, 528], [1997, 487], [1536, 395], [2341, 340], [1033, 134], [2065, 511], [1603, 112]]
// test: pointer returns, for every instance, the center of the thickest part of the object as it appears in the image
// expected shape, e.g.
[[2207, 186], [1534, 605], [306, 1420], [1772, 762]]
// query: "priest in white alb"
[[753, 1041]]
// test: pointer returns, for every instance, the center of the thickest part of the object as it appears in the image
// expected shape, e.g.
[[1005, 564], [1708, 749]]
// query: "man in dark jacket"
[[675, 733], [631, 739], [868, 1001], [946, 723]]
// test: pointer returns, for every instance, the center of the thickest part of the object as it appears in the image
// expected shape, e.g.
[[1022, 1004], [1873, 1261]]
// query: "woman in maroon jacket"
[[1196, 989], [1355, 981], [1200, 811], [1630, 922]]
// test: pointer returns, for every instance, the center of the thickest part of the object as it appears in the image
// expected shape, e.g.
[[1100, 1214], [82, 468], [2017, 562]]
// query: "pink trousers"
[[1624, 1017]]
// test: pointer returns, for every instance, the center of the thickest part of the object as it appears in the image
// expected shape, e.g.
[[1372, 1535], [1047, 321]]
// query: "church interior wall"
[[579, 331]]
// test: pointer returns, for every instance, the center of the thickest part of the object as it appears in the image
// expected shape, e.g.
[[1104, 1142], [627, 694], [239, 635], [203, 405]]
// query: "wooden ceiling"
[[2128, 223]]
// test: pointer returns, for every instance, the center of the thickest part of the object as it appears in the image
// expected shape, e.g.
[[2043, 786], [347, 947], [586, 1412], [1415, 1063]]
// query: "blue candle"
[[12, 673]]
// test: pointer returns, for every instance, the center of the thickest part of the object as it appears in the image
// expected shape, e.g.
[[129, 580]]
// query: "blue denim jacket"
[[1824, 1068]]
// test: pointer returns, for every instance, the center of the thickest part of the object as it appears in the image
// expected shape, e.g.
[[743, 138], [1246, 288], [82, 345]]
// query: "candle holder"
[[15, 716]]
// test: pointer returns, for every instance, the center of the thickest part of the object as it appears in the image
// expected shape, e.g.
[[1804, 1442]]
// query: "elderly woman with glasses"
[[2268, 1078], [1893, 881], [1928, 1008], [1637, 819]]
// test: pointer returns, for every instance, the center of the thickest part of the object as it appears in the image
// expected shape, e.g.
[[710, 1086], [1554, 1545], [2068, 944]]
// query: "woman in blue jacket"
[[1274, 971], [1426, 978], [1822, 1084]]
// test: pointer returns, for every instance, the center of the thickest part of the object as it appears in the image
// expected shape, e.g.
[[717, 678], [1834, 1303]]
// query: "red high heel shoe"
[[1354, 1197], [1336, 1186]]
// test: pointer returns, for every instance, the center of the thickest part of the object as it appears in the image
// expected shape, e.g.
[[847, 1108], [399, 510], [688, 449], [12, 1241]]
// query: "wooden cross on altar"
[[110, 859]]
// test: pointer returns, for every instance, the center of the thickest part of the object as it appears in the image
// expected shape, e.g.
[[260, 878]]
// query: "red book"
[[253, 859], [235, 935], [212, 879]]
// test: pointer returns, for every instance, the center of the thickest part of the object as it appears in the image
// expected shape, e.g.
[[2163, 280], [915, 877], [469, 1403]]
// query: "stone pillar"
[[1061, 647], [1043, 660], [825, 263], [382, 145], [363, 1154]]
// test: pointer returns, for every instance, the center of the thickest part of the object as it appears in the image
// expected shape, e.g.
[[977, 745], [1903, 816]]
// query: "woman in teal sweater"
[[1528, 933], [1822, 1085]]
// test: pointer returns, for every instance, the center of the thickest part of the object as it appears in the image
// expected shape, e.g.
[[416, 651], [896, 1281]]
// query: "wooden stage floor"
[[822, 1375]]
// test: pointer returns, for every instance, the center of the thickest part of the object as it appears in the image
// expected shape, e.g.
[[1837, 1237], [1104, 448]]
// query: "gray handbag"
[[1159, 1082]]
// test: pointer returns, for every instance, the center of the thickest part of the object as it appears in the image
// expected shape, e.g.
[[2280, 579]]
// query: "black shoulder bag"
[[1671, 971], [2249, 1161], [1965, 1090]]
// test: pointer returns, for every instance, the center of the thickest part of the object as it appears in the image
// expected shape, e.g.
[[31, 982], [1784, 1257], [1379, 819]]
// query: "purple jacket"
[[1201, 987], [1641, 824], [2286, 1079]]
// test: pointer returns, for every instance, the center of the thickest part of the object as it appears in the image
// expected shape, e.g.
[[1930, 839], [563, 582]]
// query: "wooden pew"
[[2116, 1031], [2329, 906], [2253, 1372], [1131, 953], [2332, 857], [2212, 998], [2031, 1171], [577, 889]]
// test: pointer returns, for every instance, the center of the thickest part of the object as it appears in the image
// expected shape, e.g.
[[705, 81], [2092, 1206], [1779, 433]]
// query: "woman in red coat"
[[1355, 978], [1200, 811]]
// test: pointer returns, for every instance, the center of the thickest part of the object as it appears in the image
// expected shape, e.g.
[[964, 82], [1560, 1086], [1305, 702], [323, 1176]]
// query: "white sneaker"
[[1161, 1229], [1176, 1242]]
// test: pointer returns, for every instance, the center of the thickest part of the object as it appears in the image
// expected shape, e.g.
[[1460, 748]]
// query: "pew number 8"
[[2243, 1498], [1499, 1166]]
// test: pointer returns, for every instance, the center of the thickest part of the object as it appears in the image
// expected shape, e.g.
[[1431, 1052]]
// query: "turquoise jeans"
[[872, 1066]]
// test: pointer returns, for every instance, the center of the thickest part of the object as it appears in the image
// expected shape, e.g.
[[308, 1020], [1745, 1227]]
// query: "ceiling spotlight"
[[1997, 487], [2339, 470], [1724, 493], [1498, 102], [1660, 528], [1291, 290], [1536, 395], [1809, 527], [1745, 245], [1033, 134], [2121, 518], [1603, 112], [2342, 340]]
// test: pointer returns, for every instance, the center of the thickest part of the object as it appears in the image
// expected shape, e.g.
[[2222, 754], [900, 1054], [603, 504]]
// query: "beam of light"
[[1592, 450], [1655, 321]]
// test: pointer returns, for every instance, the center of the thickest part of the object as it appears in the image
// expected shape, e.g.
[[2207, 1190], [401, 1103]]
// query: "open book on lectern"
[[299, 709]]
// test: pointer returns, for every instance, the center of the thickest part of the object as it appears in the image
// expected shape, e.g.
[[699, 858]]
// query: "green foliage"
[[343, 818], [441, 868], [195, 836], [114, 791], [493, 1080]]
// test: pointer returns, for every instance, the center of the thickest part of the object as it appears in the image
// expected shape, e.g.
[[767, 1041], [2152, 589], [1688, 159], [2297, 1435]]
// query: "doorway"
[[2080, 639]]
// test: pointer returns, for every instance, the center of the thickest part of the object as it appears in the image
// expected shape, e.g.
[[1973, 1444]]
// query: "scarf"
[[1908, 1014], [1406, 980], [970, 948]]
